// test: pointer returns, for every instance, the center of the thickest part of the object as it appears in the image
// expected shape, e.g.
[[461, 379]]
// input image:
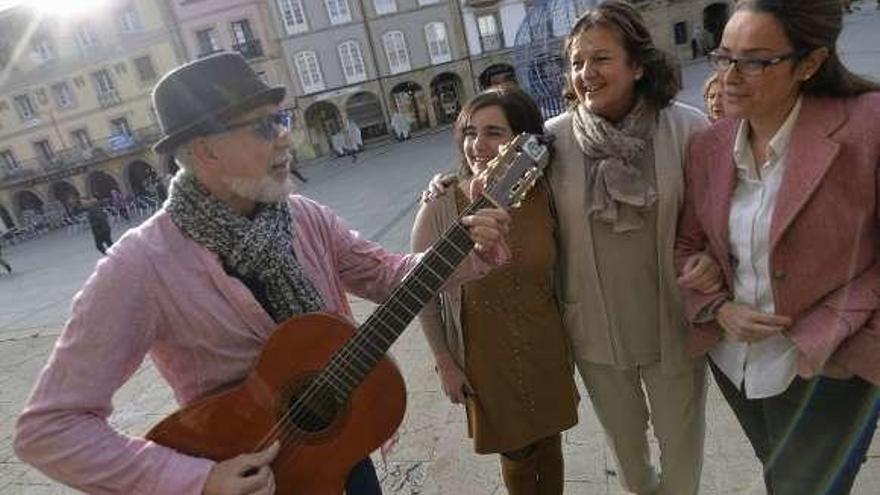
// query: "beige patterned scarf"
[[617, 191]]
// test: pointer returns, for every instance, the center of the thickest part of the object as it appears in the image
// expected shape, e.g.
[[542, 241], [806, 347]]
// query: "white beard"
[[263, 190]]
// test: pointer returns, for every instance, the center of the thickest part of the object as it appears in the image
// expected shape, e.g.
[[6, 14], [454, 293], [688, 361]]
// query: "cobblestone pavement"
[[376, 195]]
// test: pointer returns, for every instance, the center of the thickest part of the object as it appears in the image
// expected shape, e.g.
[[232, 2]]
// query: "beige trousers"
[[677, 414]]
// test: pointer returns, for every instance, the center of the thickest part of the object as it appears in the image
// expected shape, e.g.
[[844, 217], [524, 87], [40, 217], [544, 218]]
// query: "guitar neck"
[[374, 337]]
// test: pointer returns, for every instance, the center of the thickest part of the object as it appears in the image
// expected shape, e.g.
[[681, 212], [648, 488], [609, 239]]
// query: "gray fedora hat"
[[196, 98]]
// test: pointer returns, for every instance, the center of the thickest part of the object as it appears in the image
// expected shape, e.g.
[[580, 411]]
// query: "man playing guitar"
[[201, 285]]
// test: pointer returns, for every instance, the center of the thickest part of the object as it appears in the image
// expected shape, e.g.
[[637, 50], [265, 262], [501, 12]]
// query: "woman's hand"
[[453, 380], [702, 273], [487, 228], [437, 187], [744, 324]]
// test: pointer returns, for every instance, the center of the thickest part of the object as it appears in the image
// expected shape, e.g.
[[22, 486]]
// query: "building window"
[[105, 88], [490, 35], [309, 71], [243, 40], [679, 30], [438, 44], [144, 66], [7, 159], [294, 16], [86, 37], [82, 139], [44, 150], [103, 81], [241, 31], [25, 107], [385, 6], [428, 2], [129, 20], [352, 62], [395, 50], [43, 49], [207, 40], [120, 127], [338, 11], [63, 95]]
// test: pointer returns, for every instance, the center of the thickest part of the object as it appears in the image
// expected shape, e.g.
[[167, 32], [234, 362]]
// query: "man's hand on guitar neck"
[[246, 474]]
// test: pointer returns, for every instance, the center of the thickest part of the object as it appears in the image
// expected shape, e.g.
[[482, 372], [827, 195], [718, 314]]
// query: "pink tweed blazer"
[[825, 232]]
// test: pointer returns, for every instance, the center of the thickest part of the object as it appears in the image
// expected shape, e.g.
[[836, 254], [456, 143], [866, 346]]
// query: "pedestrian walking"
[[353, 143], [99, 224], [3, 262], [783, 193], [696, 40], [400, 124]]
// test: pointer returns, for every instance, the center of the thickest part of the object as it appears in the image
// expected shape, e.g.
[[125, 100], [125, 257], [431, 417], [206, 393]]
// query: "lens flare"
[[66, 8]]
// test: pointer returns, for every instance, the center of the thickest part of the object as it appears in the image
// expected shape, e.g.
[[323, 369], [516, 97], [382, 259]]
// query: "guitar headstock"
[[519, 164]]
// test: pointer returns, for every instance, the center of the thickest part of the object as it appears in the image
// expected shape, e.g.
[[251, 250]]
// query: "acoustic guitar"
[[328, 392]]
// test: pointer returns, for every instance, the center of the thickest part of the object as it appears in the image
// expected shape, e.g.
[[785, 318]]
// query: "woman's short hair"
[[518, 107], [660, 82], [809, 25], [707, 86]]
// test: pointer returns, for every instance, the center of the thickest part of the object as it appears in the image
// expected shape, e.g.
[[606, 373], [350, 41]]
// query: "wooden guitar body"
[[240, 419]]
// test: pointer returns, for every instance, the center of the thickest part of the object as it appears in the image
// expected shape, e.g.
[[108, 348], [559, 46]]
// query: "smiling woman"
[[66, 7]]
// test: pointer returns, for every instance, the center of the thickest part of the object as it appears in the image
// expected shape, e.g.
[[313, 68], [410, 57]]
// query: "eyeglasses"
[[748, 66], [267, 127]]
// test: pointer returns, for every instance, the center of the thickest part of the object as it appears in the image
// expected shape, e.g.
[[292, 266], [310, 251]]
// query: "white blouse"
[[765, 368]]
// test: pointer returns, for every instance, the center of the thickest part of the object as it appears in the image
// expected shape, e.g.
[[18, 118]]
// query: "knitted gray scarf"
[[259, 249], [617, 192]]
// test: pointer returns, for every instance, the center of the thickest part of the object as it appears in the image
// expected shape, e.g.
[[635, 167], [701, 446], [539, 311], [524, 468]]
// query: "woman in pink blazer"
[[784, 193]]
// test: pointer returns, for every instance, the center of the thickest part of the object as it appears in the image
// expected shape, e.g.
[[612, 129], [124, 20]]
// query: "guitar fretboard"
[[374, 337]]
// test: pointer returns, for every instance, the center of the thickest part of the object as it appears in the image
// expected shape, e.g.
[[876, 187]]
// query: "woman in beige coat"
[[617, 186]]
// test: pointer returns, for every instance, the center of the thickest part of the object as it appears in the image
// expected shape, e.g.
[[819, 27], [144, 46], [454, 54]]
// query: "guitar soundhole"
[[311, 407]]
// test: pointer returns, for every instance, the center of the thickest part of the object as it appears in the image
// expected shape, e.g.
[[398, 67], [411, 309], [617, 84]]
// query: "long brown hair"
[[809, 25], [518, 107], [660, 82]]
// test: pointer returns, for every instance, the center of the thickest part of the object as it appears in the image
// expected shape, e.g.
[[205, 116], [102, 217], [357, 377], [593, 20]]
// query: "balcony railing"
[[209, 51], [71, 158], [492, 42], [249, 49], [109, 98]]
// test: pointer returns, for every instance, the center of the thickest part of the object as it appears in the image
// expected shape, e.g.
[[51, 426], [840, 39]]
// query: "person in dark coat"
[[100, 226], [3, 262]]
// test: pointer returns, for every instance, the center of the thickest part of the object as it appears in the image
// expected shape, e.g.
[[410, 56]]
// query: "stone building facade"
[[76, 119]]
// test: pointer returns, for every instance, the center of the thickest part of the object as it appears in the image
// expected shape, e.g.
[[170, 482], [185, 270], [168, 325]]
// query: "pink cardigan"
[[162, 294], [825, 232]]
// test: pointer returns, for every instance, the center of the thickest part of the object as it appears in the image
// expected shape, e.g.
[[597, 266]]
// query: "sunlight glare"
[[66, 8]]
